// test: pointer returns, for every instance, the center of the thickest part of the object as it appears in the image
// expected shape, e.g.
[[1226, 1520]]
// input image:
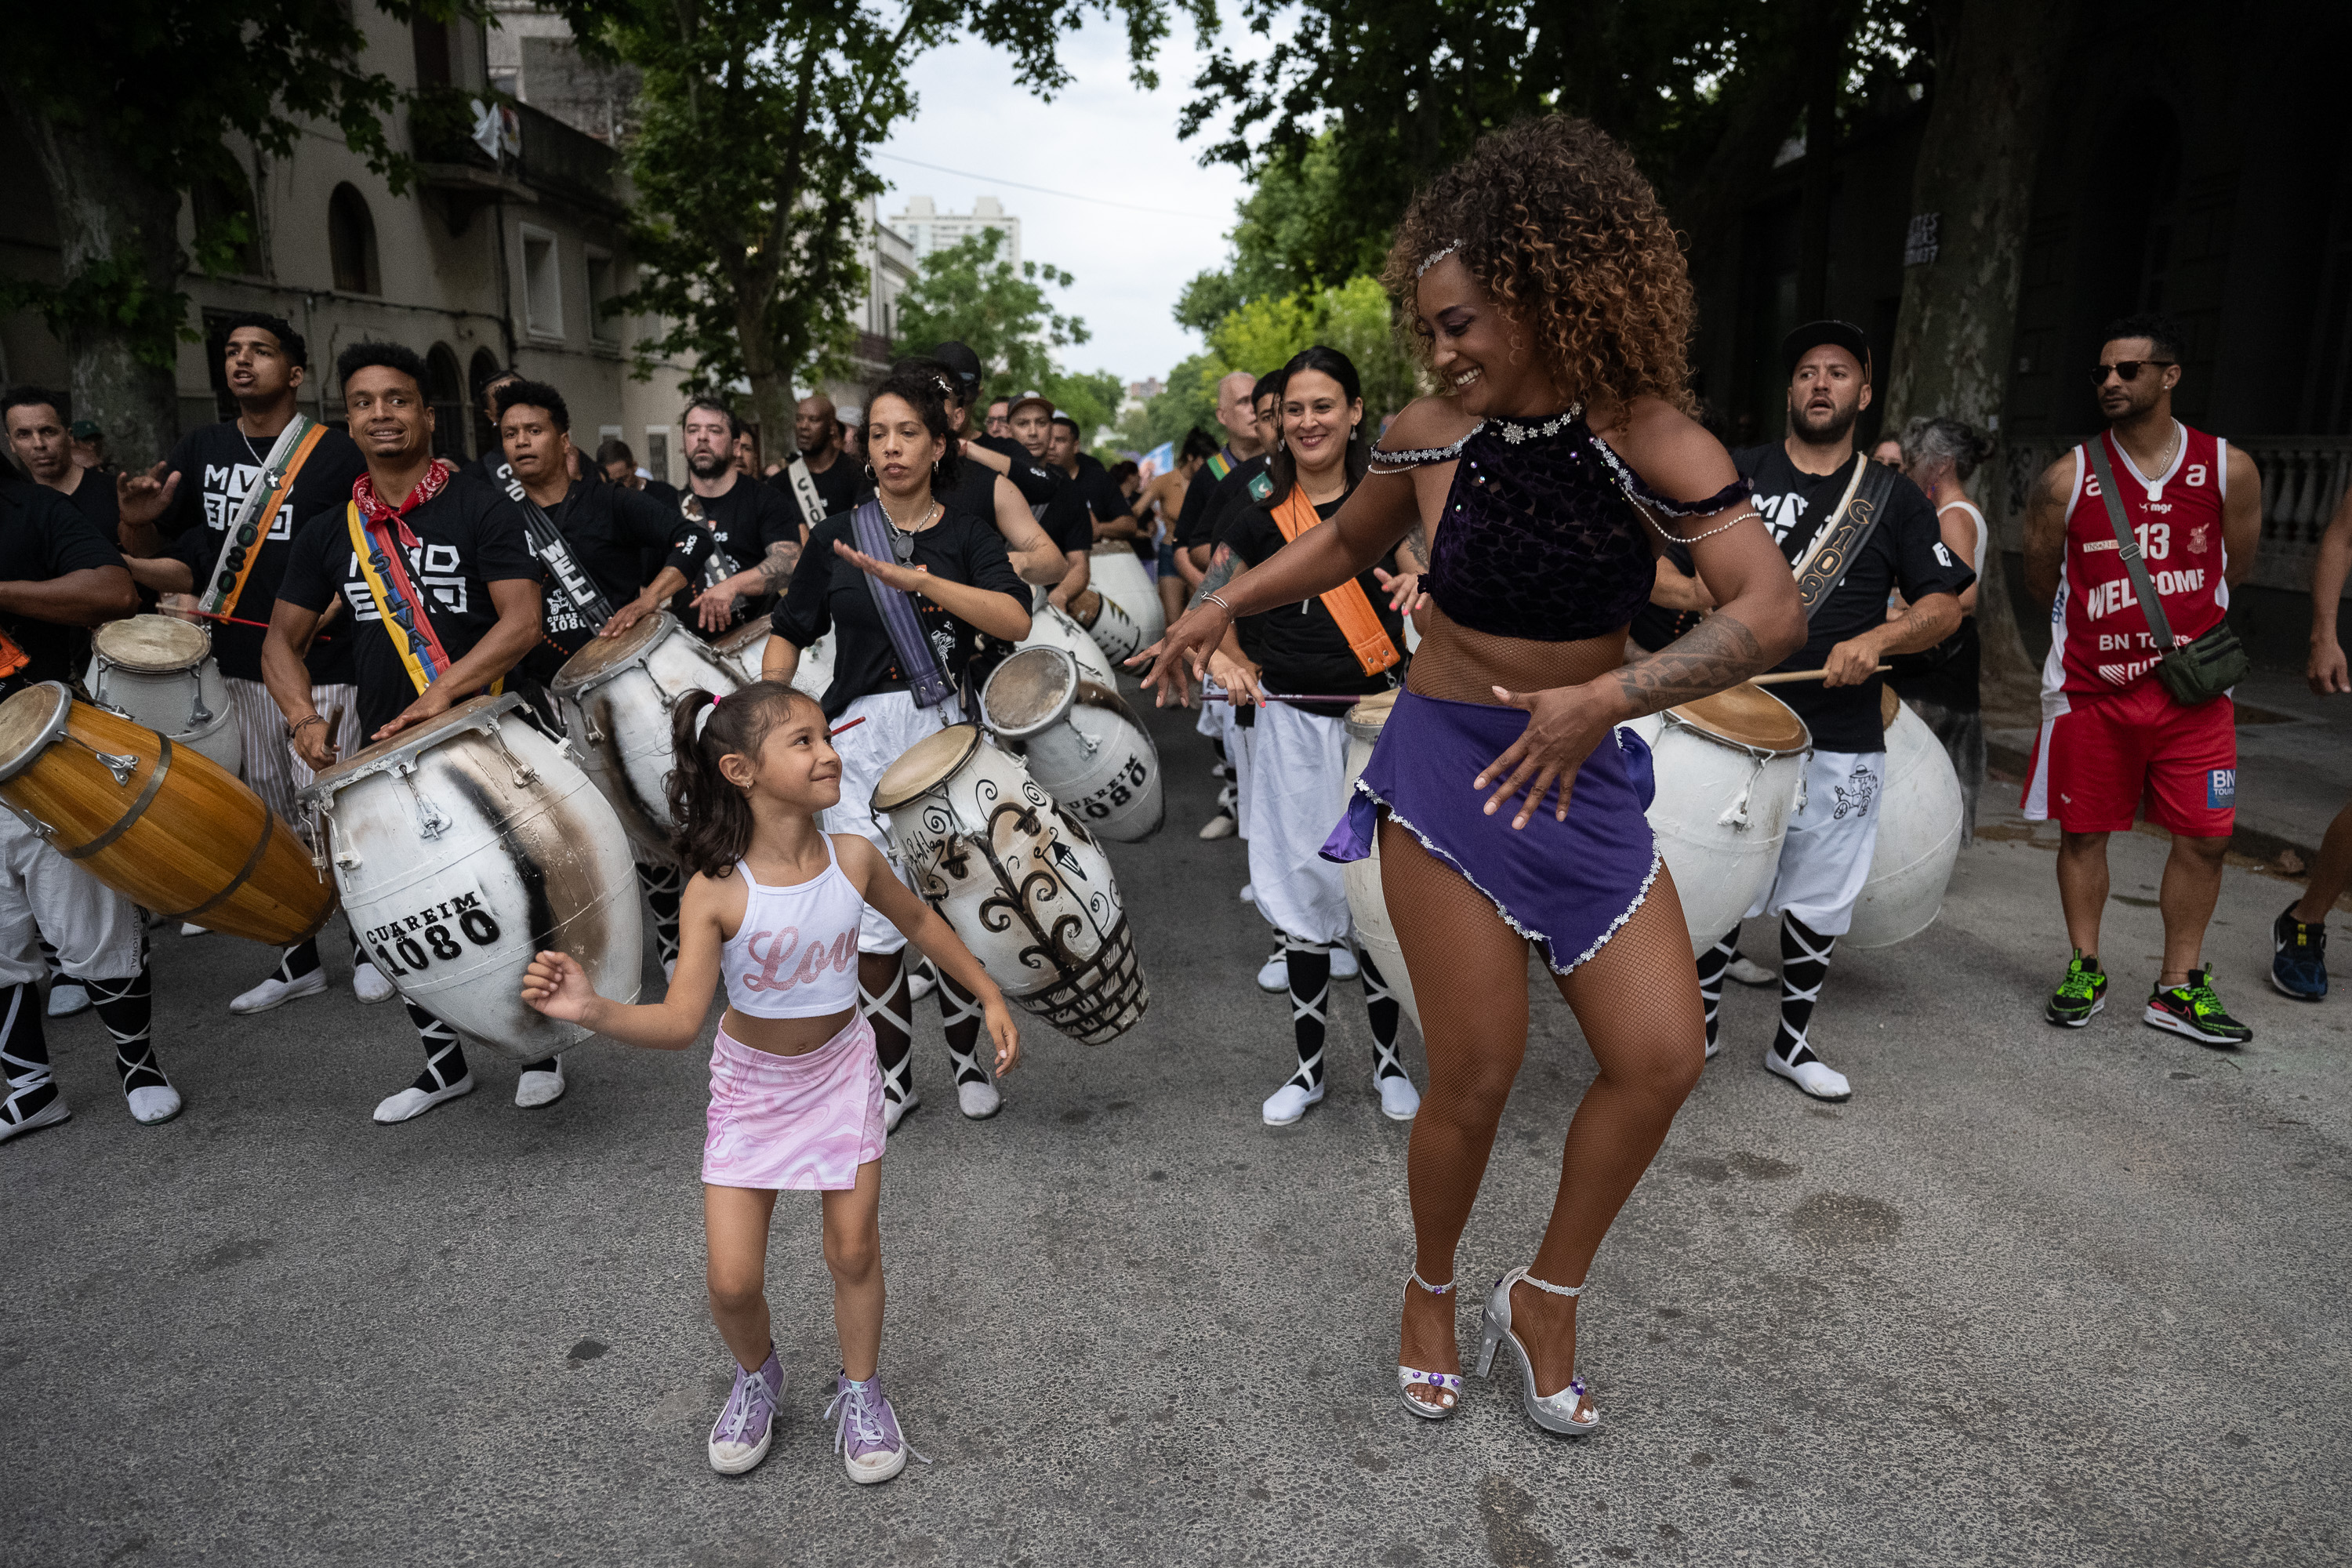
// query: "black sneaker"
[[2195, 1010], [2080, 994], [2298, 957]]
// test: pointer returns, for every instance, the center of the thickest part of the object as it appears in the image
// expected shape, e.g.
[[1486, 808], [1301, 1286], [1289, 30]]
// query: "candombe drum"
[[1367, 903], [616, 696], [1728, 768], [1918, 834], [160, 671], [747, 645], [465, 846], [1115, 572], [1080, 740], [161, 823], [1049, 628], [1021, 879], [1113, 629]]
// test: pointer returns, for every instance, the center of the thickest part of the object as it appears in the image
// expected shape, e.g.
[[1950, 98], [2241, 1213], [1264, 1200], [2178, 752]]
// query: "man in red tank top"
[[2112, 735]]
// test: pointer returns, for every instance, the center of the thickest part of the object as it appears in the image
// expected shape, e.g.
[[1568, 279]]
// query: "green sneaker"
[[2081, 994], [2195, 1010]]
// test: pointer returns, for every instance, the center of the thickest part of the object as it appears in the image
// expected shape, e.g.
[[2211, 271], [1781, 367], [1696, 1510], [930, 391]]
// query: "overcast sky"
[[1101, 138]]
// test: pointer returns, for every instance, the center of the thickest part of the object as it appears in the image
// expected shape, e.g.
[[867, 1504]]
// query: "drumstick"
[[1220, 696], [258, 626], [1790, 677], [853, 725]]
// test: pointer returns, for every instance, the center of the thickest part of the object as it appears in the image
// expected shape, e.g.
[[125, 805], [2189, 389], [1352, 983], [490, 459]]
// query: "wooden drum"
[[159, 822]]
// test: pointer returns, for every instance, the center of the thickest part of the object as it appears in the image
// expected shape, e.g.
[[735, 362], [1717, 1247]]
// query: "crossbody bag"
[[2194, 672]]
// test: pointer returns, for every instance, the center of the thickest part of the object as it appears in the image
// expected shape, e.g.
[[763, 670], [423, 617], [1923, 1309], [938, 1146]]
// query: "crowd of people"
[[1550, 547]]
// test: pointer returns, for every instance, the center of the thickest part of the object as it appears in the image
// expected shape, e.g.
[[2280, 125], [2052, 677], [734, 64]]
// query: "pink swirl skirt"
[[803, 1123]]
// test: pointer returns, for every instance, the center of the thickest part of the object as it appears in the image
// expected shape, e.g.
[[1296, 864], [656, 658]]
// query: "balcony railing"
[[556, 160]]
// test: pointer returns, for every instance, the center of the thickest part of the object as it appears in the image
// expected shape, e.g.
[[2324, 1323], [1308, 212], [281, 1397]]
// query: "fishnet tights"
[[1636, 1001]]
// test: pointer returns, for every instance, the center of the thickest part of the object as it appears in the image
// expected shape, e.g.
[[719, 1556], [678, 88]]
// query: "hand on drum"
[[715, 608], [431, 704], [1181, 654], [629, 614], [315, 744], [906, 579], [556, 986], [1564, 723]]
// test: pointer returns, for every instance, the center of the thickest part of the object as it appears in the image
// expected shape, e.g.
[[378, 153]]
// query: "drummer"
[[951, 568], [1346, 642], [61, 575], [1064, 513], [998, 481], [176, 527], [756, 532], [456, 552]]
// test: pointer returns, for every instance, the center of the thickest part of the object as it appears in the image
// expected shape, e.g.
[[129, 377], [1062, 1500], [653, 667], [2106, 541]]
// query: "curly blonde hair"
[[1553, 219]]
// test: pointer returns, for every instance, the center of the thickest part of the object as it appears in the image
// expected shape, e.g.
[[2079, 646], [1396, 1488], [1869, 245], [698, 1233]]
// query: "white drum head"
[[604, 657], [29, 720], [924, 764], [1365, 720], [1748, 718], [1029, 691], [156, 643], [473, 713]]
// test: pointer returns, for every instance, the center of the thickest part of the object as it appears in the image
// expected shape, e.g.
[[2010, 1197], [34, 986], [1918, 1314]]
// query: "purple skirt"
[[1566, 885]]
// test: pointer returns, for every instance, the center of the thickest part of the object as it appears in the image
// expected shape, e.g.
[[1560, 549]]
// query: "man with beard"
[[1818, 496], [757, 533], [182, 528], [840, 483], [455, 565], [1063, 512], [38, 436]]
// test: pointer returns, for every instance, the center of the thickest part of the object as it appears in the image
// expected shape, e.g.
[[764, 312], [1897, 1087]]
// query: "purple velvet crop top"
[[1537, 542]]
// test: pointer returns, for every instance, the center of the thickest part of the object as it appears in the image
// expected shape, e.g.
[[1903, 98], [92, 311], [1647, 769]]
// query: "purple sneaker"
[[866, 1432], [739, 1440]]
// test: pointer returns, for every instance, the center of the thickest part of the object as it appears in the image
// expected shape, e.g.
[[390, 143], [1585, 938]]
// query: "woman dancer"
[[1349, 640], [1942, 683], [1547, 286], [942, 574], [774, 908]]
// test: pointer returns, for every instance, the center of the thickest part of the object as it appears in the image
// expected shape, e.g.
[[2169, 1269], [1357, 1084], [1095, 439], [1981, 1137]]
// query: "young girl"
[[773, 907]]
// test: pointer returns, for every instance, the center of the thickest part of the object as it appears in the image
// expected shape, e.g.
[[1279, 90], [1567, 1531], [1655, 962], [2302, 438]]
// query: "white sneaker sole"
[[2157, 1018], [737, 1464], [874, 1473]]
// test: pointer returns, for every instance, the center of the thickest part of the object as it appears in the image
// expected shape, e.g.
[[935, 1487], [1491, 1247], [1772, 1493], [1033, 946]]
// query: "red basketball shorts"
[[2110, 754]]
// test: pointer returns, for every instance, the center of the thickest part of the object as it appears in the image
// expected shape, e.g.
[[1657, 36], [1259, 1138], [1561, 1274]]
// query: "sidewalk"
[[2294, 765]]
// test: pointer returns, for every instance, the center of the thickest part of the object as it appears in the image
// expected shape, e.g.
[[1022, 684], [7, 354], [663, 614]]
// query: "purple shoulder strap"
[[906, 638]]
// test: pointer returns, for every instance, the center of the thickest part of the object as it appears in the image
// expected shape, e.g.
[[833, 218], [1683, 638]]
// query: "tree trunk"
[[1825, 65], [1997, 62], [120, 243]]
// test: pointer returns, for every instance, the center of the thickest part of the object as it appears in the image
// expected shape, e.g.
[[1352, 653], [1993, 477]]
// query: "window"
[[431, 39], [542, 284], [604, 328], [351, 243], [657, 452], [446, 390], [224, 216]]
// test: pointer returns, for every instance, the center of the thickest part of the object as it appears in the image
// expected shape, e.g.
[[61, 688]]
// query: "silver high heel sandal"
[[1553, 1412], [1445, 1382]]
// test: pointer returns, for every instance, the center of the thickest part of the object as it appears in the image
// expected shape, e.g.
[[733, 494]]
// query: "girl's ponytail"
[[713, 817]]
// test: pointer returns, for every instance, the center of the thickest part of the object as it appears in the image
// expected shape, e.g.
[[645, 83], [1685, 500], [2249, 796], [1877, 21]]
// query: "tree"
[[1298, 228], [966, 292], [1354, 318], [759, 117], [129, 105], [1188, 399]]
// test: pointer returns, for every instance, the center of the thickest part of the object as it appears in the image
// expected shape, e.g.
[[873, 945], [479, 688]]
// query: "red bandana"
[[436, 480]]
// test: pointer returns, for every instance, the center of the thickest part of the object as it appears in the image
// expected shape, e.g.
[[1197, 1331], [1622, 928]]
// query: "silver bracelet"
[[1213, 599]]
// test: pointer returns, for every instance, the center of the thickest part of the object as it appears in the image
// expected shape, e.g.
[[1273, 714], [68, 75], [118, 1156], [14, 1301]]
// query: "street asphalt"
[[2032, 1296]]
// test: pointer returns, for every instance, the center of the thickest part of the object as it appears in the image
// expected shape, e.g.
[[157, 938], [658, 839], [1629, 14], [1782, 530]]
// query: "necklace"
[[902, 540]]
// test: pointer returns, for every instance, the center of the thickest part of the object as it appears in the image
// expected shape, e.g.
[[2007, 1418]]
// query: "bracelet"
[[295, 728], [1213, 599]]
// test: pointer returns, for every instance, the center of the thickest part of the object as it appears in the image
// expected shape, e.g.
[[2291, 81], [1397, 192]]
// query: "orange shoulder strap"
[[1353, 612]]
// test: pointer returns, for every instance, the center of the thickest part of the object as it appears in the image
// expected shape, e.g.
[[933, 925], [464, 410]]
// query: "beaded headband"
[[1434, 257]]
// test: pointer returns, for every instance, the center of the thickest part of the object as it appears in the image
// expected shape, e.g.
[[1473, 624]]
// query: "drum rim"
[[204, 634], [1676, 717], [47, 736], [737, 638], [972, 742], [1363, 730], [405, 747], [622, 661], [1061, 709]]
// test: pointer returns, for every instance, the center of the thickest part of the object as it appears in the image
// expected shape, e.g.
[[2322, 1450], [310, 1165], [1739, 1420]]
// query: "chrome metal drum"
[[1050, 627], [465, 846], [1020, 878], [160, 671], [1918, 835], [1117, 573], [747, 645], [1080, 740], [1729, 770], [616, 696], [1367, 903]]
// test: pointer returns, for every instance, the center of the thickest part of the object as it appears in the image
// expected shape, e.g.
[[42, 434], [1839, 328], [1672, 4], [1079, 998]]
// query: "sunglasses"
[[2123, 370]]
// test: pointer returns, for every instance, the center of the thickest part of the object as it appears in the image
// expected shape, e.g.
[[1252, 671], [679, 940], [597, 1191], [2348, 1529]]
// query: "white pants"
[[892, 724], [1298, 763], [1217, 722], [42, 894], [271, 769], [1826, 857]]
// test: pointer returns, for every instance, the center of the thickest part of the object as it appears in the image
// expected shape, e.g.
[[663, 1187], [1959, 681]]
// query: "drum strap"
[[717, 566], [915, 660], [580, 597], [405, 618], [805, 489], [241, 547], [1838, 543], [1358, 621]]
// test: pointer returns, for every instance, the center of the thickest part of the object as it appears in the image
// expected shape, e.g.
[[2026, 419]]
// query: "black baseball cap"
[[962, 361], [1813, 335]]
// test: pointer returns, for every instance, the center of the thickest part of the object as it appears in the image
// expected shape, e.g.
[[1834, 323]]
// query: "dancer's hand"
[[1238, 677], [556, 986], [1564, 723], [906, 579], [1182, 655], [999, 1018], [1404, 589]]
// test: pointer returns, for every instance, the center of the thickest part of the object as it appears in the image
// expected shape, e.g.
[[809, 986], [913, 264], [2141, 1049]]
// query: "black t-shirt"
[[1905, 550], [611, 532], [1037, 483], [218, 466], [1066, 518], [467, 537], [94, 498], [42, 536], [828, 595], [1299, 646], [1224, 501], [840, 486], [1105, 502], [745, 521]]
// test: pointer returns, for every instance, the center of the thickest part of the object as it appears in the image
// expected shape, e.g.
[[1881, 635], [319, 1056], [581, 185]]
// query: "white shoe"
[[920, 981], [68, 997], [533, 1089], [1220, 825], [154, 1102], [1249, 892], [1816, 1076], [275, 992], [894, 1111], [414, 1101], [1400, 1101], [49, 1115], [1748, 972], [1274, 974], [193, 929], [669, 970], [1343, 963], [1288, 1104], [1713, 1049], [369, 984], [977, 1099]]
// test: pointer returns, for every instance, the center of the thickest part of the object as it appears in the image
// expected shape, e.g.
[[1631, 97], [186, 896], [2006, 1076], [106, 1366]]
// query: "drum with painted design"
[[465, 846], [1080, 740], [1730, 768], [1117, 573], [616, 696], [1020, 878], [1366, 902], [160, 670], [1050, 627], [747, 645], [1919, 808]]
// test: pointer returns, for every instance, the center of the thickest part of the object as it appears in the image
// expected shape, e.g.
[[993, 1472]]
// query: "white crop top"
[[795, 954]]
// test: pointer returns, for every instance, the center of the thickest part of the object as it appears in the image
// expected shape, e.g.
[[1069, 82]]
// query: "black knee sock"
[[444, 1059], [1804, 964], [300, 959], [1382, 1007], [1310, 999], [664, 887], [126, 1006], [960, 1015], [891, 1015], [23, 1054], [1711, 966]]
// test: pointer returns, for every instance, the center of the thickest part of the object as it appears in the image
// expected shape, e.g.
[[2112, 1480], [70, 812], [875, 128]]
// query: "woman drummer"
[[1349, 640], [951, 569], [1544, 282]]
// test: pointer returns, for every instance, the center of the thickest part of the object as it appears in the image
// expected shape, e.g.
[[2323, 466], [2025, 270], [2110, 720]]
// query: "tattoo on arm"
[[1415, 551], [1717, 653], [776, 566], [1223, 568]]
